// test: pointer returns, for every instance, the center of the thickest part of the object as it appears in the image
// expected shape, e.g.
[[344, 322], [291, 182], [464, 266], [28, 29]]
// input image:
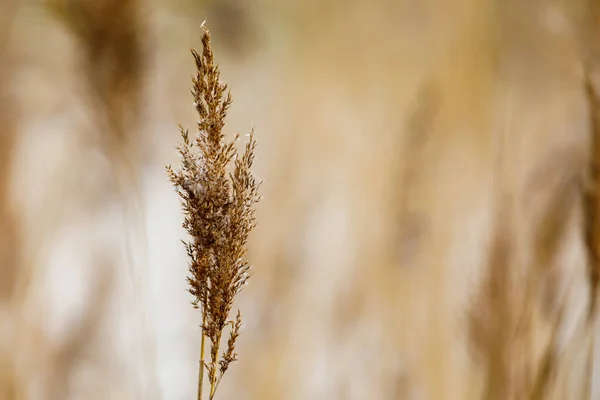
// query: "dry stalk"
[[592, 197], [10, 238], [510, 311], [109, 38], [219, 215], [492, 324], [519, 300], [591, 206], [109, 34], [590, 192]]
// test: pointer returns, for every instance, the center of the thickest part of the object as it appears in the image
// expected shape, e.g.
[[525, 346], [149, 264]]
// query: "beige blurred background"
[[422, 234]]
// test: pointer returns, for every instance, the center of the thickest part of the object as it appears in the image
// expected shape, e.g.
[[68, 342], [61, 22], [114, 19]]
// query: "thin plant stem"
[[218, 382], [201, 372], [213, 381]]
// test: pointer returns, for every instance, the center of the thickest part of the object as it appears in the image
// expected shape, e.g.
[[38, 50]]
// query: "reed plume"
[[217, 191]]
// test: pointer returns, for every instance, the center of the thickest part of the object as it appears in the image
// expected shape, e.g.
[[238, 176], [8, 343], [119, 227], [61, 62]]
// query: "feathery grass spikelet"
[[218, 205]]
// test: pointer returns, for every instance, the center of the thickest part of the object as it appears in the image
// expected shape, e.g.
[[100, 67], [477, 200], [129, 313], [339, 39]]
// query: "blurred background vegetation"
[[422, 236]]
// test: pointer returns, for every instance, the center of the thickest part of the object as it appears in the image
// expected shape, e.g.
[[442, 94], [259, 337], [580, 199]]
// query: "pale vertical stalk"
[[213, 381], [202, 343], [591, 197], [218, 381]]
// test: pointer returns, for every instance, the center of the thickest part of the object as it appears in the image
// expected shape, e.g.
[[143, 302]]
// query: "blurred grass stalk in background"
[[9, 227]]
